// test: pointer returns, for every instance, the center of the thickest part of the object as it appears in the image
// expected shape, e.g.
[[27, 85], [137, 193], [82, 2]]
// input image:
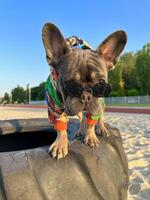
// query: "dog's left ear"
[[111, 48], [54, 43]]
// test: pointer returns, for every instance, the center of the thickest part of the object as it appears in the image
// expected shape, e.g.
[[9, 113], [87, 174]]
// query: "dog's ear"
[[111, 48], [54, 43]]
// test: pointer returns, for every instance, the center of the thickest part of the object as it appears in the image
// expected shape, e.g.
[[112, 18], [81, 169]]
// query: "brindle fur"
[[86, 67]]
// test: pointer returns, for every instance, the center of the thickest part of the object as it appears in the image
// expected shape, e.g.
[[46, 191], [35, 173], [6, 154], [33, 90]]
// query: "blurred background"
[[23, 67]]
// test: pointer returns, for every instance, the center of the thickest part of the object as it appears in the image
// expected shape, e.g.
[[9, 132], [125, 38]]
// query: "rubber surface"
[[24, 125], [87, 174]]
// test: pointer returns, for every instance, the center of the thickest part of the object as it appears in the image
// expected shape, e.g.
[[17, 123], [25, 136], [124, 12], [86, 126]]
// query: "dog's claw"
[[54, 152], [51, 147], [59, 148], [60, 155], [91, 140], [105, 132], [97, 145], [65, 152]]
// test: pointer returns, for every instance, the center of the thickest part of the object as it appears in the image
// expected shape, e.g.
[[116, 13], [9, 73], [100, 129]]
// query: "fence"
[[43, 102], [114, 100], [128, 100]]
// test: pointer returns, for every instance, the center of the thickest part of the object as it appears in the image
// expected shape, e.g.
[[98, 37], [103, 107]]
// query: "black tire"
[[98, 174]]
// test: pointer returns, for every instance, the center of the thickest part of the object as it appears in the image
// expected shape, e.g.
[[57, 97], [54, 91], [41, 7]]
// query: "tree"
[[1, 99], [132, 92], [6, 97], [129, 74], [38, 93], [18, 94], [115, 79], [41, 91], [142, 66], [34, 93]]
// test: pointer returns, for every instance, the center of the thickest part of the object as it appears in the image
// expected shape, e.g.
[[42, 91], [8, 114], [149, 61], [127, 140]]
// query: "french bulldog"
[[82, 81]]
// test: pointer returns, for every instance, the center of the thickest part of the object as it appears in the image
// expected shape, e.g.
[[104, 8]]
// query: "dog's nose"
[[86, 97]]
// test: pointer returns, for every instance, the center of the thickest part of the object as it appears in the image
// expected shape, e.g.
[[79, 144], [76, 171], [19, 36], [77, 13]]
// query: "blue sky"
[[22, 56]]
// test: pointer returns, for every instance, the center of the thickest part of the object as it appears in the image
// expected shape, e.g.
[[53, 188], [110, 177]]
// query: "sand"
[[21, 113], [135, 130]]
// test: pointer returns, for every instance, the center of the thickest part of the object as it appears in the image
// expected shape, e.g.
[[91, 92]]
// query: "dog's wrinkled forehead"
[[81, 64]]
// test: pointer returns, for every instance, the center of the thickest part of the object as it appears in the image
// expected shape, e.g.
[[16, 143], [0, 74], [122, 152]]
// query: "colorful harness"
[[56, 113]]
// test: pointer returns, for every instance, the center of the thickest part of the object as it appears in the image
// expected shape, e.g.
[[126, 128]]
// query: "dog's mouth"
[[86, 107], [73, 106]]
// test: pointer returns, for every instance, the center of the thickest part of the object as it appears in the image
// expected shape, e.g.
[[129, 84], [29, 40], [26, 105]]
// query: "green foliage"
[[132, 74], [114, 94], [129, 75], [142, 66], [132, 92], [41, 94], [18, 95], [6, 98], [38, 93], [34, 93], [1, 100], [115, 79]]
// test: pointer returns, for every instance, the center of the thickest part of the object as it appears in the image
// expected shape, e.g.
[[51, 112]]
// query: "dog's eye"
[[73, 88]]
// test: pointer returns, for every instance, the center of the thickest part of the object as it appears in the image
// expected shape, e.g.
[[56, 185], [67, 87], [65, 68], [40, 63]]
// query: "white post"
[[11, 98], [29, 95]]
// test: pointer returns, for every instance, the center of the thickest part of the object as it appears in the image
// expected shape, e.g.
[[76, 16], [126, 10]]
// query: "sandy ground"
[[135, 129], [21, 113]]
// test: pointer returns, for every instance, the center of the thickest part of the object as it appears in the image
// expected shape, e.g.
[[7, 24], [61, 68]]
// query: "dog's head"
[[82, 73]]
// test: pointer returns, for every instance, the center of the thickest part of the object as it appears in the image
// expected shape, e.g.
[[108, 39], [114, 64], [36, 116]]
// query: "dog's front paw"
[[105, 132], [59, 148], [91, 139]]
